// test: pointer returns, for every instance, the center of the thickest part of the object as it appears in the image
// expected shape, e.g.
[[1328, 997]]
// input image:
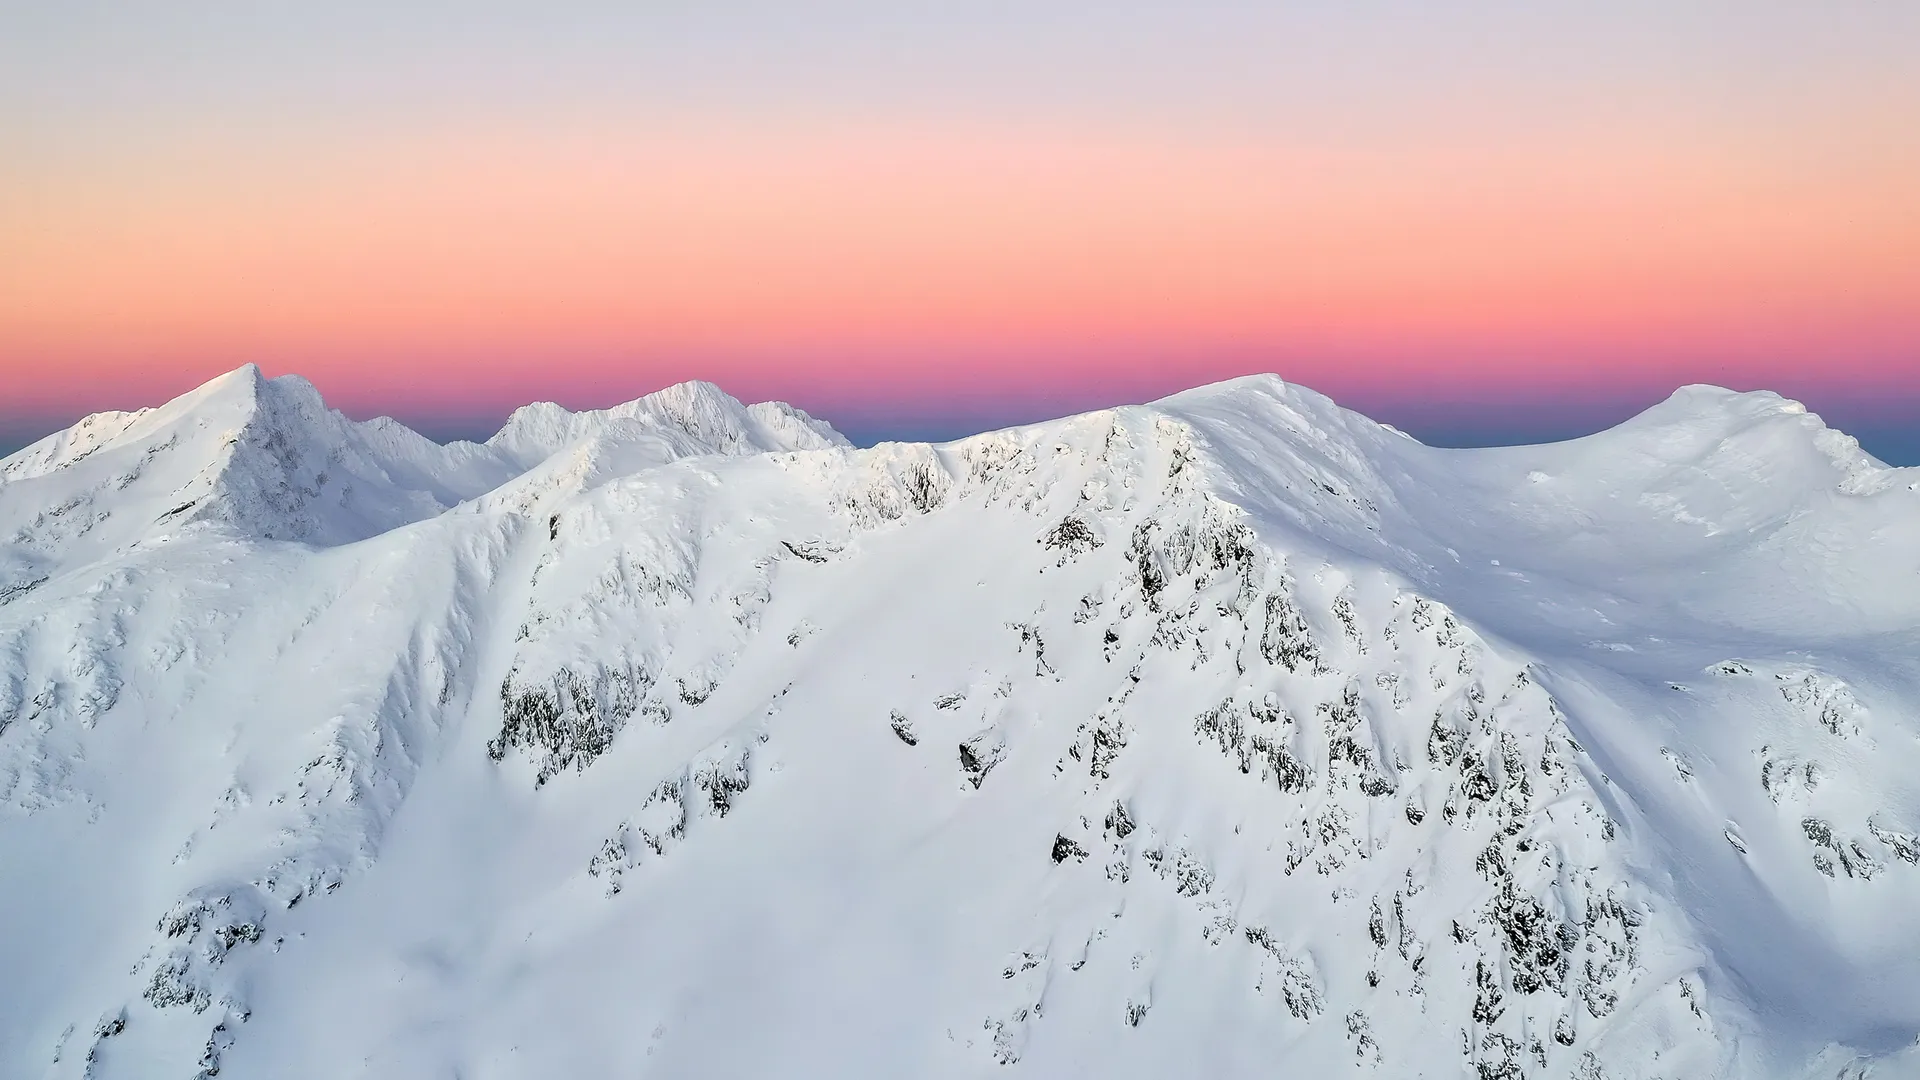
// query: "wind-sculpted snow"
[[1229, 735]]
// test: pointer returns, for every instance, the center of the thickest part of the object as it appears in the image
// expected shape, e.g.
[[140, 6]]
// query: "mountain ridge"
[[1232, 729]]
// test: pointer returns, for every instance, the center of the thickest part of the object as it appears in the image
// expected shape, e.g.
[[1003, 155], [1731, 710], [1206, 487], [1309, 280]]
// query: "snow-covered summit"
[[1227, 734], [266, 458], [1739, 438], [259, 457], [692, 415]]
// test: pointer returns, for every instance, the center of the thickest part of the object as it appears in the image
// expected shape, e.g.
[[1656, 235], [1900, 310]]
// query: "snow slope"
[[1225, 735]]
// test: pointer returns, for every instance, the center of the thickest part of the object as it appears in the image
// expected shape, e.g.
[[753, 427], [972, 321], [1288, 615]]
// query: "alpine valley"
[[1234, 735]]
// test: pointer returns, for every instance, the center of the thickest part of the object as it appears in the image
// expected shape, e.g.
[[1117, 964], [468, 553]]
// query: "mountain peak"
[[1754, 440], [695, 416], [693, 395], [1264, 383], [246, 380], [247, 386], [266, 458]]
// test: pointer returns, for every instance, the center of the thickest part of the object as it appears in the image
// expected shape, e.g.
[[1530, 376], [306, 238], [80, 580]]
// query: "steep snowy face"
[[1130, 784], [1230, 734], [1719, 595]]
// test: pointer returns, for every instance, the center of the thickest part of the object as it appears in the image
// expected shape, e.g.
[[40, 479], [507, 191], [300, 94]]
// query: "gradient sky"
[[1479, 221]]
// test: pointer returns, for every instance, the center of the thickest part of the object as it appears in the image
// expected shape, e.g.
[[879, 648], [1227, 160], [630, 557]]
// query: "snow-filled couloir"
[[1226, 735]]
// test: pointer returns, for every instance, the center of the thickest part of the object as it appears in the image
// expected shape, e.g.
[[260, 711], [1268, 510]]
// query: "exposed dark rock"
[[903, 728], [978, 756], [569, 721], [1064, 849], [810, 551], [1072, 536]]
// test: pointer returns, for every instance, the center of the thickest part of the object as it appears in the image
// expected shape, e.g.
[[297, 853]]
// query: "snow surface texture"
[[1229, 735]]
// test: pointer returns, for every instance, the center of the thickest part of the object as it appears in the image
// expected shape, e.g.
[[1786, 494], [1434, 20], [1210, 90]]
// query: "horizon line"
[[1451, 425]]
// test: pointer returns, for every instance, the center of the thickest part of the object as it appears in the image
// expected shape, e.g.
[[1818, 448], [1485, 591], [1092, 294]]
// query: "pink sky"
[[941, 261]]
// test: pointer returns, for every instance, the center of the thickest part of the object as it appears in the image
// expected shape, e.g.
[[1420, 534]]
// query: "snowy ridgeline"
[[1226, 736]]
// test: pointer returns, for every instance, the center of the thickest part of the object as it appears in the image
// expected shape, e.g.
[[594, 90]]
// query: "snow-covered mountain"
[[1231, 735]]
